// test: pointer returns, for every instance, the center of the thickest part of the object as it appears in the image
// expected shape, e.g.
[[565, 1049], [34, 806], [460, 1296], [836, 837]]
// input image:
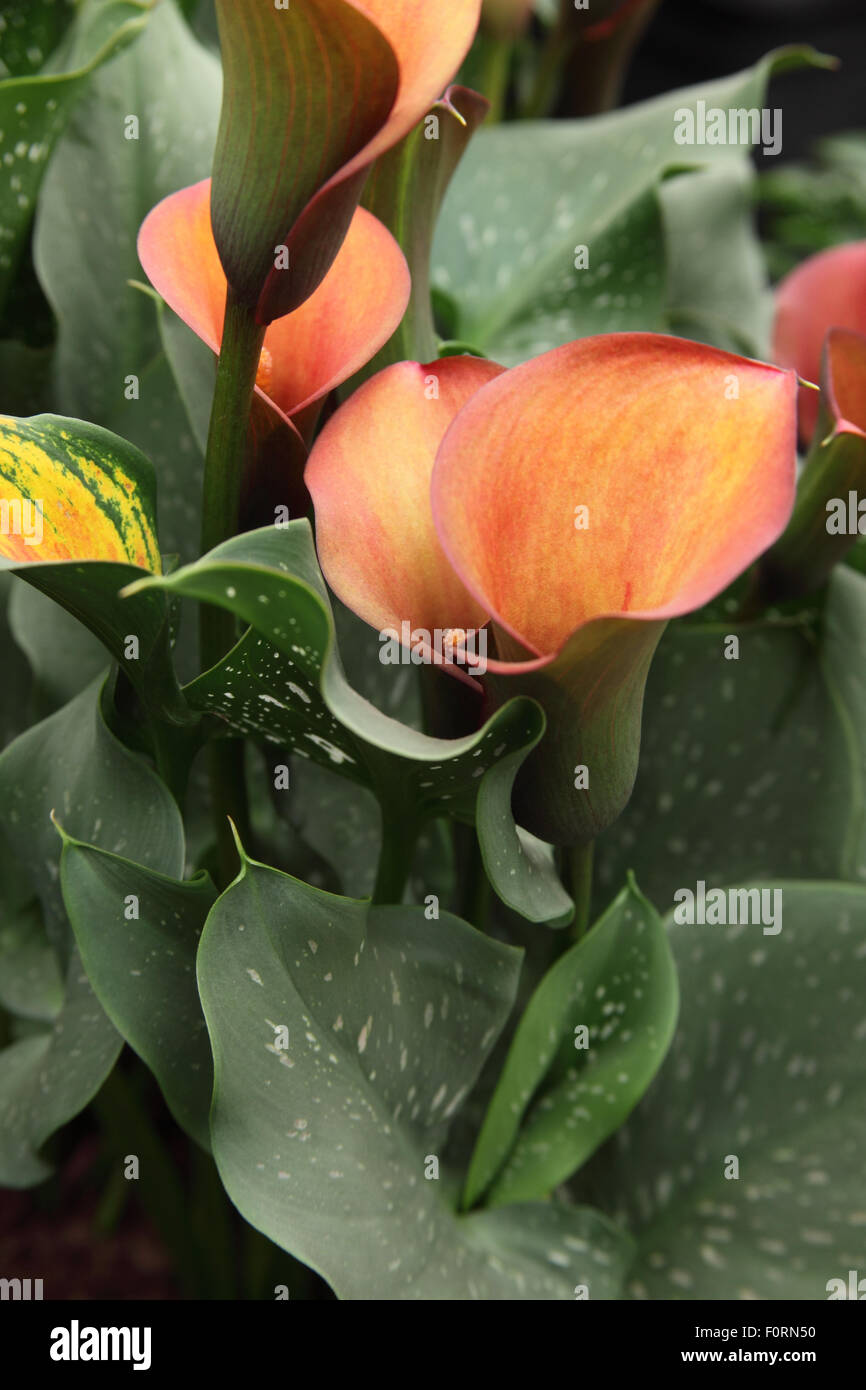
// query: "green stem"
[[128, 1131], [214, 1222], [223, 479], [579, 859], [226, 455], [112, 1203], [495, 73], [228, 788], [477, 892], [557, 48], [399, 836]]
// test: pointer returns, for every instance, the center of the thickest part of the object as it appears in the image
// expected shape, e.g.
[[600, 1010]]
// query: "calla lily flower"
[[827, 291], [827, 518], [575, 503], [355, 310], [313, 95]]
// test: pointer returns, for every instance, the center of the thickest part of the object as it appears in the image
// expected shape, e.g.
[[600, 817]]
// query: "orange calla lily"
[[313, 96], [352, 314], [378, 545], [827, 291], [578, 502], [827, 519], [683, 485]]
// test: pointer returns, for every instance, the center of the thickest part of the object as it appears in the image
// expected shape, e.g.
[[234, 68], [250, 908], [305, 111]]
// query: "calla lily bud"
[[314, 92]]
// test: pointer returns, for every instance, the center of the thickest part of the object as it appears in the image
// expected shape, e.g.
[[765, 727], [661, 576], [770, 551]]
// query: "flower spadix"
[[577, 502]]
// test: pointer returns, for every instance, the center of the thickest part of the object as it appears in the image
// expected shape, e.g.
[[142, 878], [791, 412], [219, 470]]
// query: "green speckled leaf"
[[284, 683], [766, 1067], [718, 290], [78, 524], [555, 1101], [31, 985], [72, 764], [35, 105], [323, 1143], [15, 687], [48, 1077], [143, 969], [339, 819], [31, 31], [63, 655], [519, 864], [96, 195], [527, 195], [750, 768]]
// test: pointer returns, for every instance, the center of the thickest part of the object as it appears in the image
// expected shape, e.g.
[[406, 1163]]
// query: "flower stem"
[[579, 859], [228, 789], [399, 837], [223, 479], [226, 454], [495, 74], [128, 1129], [554, 54], [477, 892]]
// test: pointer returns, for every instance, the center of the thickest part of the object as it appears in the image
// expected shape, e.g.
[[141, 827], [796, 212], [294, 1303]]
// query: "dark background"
[[692, 41]]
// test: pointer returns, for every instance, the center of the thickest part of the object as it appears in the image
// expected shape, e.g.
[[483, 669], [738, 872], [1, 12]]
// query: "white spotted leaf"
[[766, 1068], [526, 196], [96, 194], [35, 105], [72, 764], [556, 1101], [284, 683], [142, 967], [750, 767], [323, 1144]]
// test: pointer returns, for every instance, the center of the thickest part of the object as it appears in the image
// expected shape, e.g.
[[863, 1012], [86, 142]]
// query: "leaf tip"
[[137, 585], [242, 854]]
